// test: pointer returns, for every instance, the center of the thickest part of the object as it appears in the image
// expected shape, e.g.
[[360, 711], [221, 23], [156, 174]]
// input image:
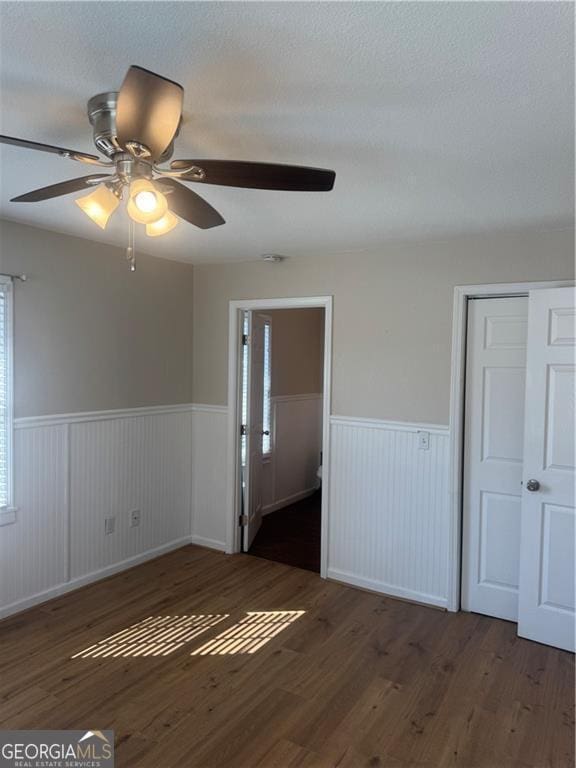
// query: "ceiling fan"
[[135, 129]]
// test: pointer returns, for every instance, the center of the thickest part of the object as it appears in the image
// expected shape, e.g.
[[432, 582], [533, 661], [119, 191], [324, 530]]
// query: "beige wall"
[[392, 314], [90, 335], [297, 351]]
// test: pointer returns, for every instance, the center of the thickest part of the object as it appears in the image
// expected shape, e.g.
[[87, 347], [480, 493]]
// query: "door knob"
[[532, 485], [266, 432]]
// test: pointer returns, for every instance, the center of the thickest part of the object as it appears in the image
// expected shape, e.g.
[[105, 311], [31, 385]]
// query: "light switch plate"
[[423, 441]]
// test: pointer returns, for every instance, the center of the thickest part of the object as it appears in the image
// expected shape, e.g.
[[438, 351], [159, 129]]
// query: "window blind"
[[5, 389], [267, 402], [245, 330]]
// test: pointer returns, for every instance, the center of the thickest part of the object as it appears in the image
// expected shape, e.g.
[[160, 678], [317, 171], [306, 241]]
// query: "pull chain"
[[130, 250]]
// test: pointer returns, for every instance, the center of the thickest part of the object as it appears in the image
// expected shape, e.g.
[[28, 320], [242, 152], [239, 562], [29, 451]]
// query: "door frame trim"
[[462, 294], [233, 533]]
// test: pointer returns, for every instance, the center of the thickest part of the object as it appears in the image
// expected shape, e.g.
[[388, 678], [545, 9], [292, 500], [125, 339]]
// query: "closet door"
[[494, 435], [546, 610]]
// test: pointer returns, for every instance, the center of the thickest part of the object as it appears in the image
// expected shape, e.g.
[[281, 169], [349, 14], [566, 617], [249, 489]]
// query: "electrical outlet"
[[109, 525], [423, 441], [134, 518]]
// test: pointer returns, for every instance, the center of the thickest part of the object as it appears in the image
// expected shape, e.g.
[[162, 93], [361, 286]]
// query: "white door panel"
[[561, 386], [547, 609], [494, 437], [499, 559], [503, 404]]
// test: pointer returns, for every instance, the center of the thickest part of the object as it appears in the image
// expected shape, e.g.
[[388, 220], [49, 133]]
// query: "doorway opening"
[[281, 434], [279, 390]]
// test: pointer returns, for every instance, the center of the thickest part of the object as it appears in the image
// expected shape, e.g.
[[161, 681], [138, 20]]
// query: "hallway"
[[292, 535]]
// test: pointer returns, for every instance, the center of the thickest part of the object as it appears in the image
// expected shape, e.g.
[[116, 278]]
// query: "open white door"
[[546, 595], [255, 414]]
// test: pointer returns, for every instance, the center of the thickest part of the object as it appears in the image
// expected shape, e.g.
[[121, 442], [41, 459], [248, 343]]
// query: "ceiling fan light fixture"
[[135, 129], [99, 205], [145, 203], [162, 226]]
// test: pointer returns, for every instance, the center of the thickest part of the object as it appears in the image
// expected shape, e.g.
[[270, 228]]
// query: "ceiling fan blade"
[[188, 205], [148, 111], [231, 173], [72, 154], [63, 188]]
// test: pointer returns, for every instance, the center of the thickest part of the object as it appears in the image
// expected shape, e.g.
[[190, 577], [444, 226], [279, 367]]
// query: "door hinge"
[[243, 430], [243, 520], [245, 339]]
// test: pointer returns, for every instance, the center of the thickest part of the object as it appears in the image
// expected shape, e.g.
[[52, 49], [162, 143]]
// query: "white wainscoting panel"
[[74, 470], [389, 508], [209, 473], [121, 465], [290, 472], [34, 549]]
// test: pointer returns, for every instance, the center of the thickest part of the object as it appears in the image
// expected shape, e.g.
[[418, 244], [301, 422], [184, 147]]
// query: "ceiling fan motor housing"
[[102, 115]]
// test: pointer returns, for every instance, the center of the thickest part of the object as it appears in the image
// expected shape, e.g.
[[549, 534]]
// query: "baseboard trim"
[[288, 500], [89, 578], [386, 589], [201, 541]]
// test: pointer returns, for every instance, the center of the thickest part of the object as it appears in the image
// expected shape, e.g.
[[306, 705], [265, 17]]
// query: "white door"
[[546, 611], [494, 433], [254, 429]]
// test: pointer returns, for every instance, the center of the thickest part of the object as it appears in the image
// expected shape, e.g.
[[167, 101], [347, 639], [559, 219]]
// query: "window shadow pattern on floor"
[[154, 636], [162, 635], [250, 634]]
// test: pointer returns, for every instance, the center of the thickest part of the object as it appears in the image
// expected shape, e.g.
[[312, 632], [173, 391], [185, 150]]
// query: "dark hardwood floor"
[[292, 535], [357, 680]]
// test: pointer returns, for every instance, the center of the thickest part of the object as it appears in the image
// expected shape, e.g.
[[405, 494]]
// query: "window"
[[245, 331], [267, 393], [5, 391], [266, 387]]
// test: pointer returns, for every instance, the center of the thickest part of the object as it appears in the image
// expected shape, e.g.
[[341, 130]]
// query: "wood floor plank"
[[357, 681]]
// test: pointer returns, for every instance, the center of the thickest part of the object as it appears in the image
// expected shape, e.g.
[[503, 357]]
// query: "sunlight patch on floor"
[[250, 634], [154, 636]]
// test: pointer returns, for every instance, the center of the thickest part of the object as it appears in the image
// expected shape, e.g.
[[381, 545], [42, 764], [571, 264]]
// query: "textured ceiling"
[[439, 118]]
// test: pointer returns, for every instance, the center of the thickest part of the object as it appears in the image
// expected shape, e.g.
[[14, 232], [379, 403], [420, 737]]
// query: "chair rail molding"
[[29, 422]]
